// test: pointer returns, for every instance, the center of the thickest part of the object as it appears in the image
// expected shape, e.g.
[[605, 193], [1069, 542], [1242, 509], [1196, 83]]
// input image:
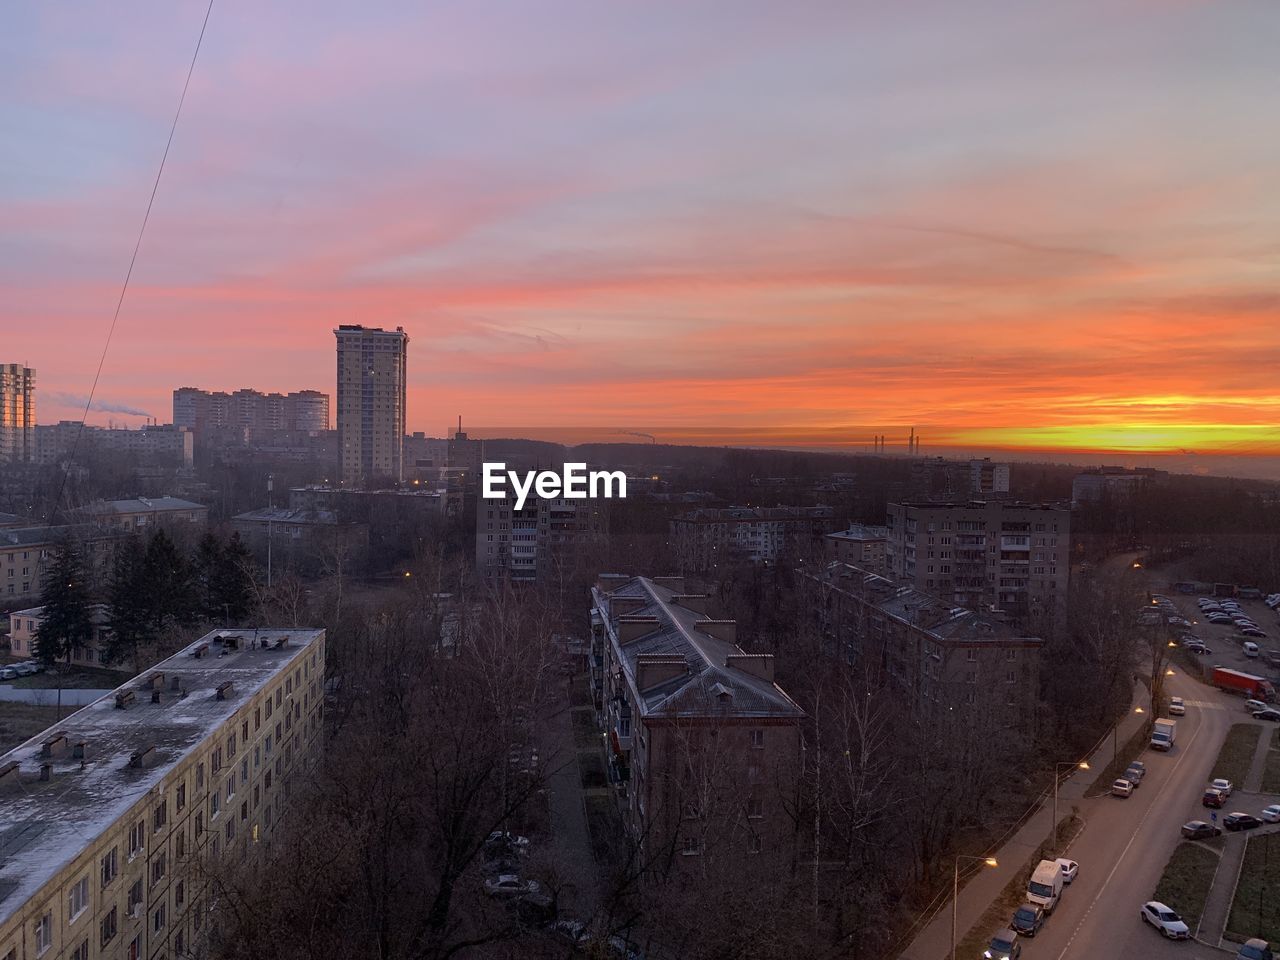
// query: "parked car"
[[502, 866], [575, 931], [1240, 821], [1199, 830], [1253, 706], [1135, 772], [24, 669], [1249, 648], [1271, 713], [1218, 618], [1272, 657], [1165, 920], [1213, 798], [1069, 869], [1177, 707], [1222, 786], [1027, 919], [8, 673], [1255, 632], [510, 885], [1003, 946], [1271, 814], [507, 839], [1122, 788], [1255, 949]]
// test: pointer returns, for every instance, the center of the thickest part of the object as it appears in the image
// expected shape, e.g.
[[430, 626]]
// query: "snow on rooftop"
[[45, 825]]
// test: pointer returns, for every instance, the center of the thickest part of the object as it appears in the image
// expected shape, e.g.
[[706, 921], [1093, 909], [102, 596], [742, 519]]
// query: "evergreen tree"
[[130, 625], [231, 590], [66, 623], [170, 584]]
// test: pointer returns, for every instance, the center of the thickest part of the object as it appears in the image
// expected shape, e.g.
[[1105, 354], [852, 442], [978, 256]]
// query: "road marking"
[[1182, 755]]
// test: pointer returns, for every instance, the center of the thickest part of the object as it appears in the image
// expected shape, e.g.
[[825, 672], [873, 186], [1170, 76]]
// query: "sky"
[[1012, 226]]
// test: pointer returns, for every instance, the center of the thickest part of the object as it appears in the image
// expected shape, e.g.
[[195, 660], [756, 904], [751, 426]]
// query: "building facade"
[[23, 625], [17, 413], [142, 514], [162, 444], [1007, 557], [249, 411], [26, 551], [861, 545], [535, 542], [114, 817], [705, 538], [946, 661], [1112, 484], [936, 478], [701, 738], [371, 402], [304, 540]]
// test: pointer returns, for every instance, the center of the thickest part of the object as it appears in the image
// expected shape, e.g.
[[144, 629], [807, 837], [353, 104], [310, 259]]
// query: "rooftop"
[[38, 536], [288, 515], [981, 505], [143, 505], [46, 824], [925, 612], [678, 634], [860, 532]]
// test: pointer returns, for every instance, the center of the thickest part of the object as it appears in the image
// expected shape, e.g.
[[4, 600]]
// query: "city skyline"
[[1044, 235]]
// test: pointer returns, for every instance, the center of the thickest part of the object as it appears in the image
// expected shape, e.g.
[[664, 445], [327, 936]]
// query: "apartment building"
[[703, 539], [700, 737], [305, 540], [112, 818], [1009, 557], [862, 545], [140, 514], [17, 413], [160, 444], [23, 625], [532, 543], [25, 551], [1114, 484], [936, 478], [371, 402], [947, 661], [251, 412]]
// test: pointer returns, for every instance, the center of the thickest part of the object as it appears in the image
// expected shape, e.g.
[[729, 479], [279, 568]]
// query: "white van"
[[1045, 887], [1250, 648], [1177, 707]]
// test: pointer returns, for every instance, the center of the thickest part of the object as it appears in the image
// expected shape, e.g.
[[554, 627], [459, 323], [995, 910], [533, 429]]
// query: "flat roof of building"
[[287, 515], [45, 825], [861, 533], [978, 504], [143, 505], [36, 536]]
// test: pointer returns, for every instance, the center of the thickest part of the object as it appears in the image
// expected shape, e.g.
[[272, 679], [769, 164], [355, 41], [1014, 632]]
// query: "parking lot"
[[1225, 643]]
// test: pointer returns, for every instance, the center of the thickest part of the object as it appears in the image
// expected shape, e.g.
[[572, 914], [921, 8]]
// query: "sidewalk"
[[983, 887], [570, 835]]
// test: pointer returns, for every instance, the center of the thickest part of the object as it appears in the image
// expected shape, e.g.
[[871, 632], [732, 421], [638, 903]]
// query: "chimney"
[[282, 642], [155, 696], [620, 606], [55, 746], [124, 698], [78, 750], [608, 582], [674, 584], [143, 758], [154, 681], [9, 774], [632, 628], [697, 602], [655, 669], [225, 689], [175, 683], [726, 630], [757, 664], [200, 651], [46, 771]]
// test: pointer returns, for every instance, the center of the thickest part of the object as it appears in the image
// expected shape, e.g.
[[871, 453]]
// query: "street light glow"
[[990, 862]]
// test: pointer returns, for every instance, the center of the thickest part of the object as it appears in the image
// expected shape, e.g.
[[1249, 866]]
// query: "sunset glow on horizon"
[[1027, 229]]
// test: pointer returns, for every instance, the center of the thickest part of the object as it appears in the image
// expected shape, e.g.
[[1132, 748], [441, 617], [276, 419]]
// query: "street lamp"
[[955, 893], [1081, 765]]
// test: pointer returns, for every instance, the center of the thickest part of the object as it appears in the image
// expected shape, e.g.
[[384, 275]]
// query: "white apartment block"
[[1000, 555], [529, 543], [111, 820]]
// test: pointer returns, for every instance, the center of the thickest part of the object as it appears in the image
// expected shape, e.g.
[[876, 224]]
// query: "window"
[[690, 846], [215, 804], [1011, 677], [244, 811], [158, 919], [137, 838], [81, 952], [108, 927], [179, 894], [44, 933], [78, 898], [244, 770], [199, 775], [135, 898], [757, 739], [230, 830], [199, 825], [231, 786], [109, 867], [215, 762], [231, 746], [158, 867], [971, 656], [179, 943], [244, 731], [135, 947], [161, 816], [180, 844], [755, 808], [754, 844], [180, 797]]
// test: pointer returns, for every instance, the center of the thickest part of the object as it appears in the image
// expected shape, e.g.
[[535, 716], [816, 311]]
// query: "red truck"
[[1236, 681]]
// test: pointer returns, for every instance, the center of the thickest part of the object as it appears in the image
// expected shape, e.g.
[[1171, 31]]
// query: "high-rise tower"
[[371, 402], [17, 413]]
